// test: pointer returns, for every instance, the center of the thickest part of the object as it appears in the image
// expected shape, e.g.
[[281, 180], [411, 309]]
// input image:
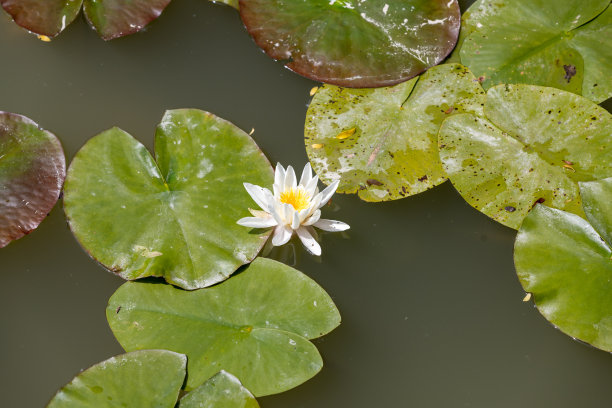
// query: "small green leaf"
[[32, 171], [176, 217], [149, 378], [567, 45], [354, 43], [254, 325], [44, 17], [534, 146], [566, 264], [382, 143], [221, 391], [116, 18]]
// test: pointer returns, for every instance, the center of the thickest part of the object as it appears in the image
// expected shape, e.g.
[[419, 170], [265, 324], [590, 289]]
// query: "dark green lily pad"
[[32, 171], [221, 391], [382, 143], [566, 263], [567, 44], [360, 44], [534, 146], [255, 325], [150, 378], [174, 217], [110, 18]]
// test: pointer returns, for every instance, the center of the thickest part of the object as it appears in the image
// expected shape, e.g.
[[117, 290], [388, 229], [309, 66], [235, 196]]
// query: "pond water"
[[431, 306]]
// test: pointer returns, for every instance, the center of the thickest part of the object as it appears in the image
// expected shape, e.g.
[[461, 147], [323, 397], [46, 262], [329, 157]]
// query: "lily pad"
[[110, 18], [567, 44], [566, 263], [150, 378], [32, 171], [221, 391], [382, 143], [354, 43], [533, 146], [174, 217], [255, 325]]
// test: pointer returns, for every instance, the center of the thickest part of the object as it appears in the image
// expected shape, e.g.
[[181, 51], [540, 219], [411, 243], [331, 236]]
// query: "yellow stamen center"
[[297, 197]]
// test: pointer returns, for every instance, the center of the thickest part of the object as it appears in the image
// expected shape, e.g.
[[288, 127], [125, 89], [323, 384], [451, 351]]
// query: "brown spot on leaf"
[[510, 209], [373, 182], [423, 178], [570, 72]]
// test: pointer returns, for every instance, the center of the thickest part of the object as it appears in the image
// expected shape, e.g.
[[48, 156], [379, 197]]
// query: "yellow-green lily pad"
[[382, 143], [533, 145]]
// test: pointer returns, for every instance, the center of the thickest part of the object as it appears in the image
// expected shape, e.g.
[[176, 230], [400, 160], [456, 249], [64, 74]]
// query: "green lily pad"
[[150, 378], [567, 44], [354, 43], [110, 18], [566, 263], [534, 146], [176, 217], [382, 143], [221, 391], [32, 171], [254, 325]]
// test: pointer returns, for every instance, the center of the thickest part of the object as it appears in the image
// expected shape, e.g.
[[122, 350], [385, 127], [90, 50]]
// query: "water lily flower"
[[293, 208]]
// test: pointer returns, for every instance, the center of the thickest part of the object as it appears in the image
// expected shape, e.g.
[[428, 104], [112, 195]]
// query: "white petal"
[[328, 193], [331, 225], [259, 194], [314, 203], [309, 242], [276, 214], [290, 179], [259, 213], [311, 187], [255, 222], [295, 224], [279, 179], [304, 214], [287, 212], [306, 175], [282, 235], [313, 218]]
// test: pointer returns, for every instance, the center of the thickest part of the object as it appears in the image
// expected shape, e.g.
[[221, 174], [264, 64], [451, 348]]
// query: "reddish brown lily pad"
[[32, 171], [351, 43]]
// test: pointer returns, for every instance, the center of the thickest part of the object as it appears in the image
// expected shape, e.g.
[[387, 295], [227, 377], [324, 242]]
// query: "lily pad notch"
[[173, 216], [32, 172]]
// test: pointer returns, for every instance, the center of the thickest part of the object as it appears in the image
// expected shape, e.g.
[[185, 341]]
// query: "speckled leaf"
[[597, 203], [150, 378], [534, 146], [116, 18], [354, 43], [233, 3], [176, 217], [44, 17], [567, 44], [563, 261], [254, 325], [392, 149], [221, 391], [32, 171]]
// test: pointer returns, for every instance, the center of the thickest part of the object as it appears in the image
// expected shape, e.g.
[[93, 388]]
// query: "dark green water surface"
[[432, 309]]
